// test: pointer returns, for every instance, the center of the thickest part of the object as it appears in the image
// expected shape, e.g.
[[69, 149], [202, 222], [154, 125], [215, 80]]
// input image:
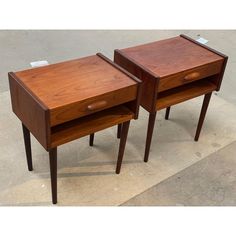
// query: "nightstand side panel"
[[29, 111]]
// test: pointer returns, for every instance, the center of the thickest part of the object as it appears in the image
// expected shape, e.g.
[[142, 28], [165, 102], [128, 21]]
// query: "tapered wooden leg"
[[28, 152], [119, 127], [151, 123], [167, 113], [205, 104], [91, 138], [53, 172], [123, 138]]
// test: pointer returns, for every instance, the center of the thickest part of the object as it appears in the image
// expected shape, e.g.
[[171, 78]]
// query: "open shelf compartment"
[[180, 94], [83, 126]]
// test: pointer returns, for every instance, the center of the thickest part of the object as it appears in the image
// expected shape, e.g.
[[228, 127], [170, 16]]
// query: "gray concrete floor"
[[209, 182], [208, 185]]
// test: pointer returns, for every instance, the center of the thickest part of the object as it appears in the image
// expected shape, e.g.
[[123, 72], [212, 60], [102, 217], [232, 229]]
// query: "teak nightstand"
[[173, 70], [65, 101]]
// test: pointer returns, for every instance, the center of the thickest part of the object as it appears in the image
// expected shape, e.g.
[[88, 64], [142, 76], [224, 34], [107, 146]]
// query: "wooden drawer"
[[75, 110], [190, 76]]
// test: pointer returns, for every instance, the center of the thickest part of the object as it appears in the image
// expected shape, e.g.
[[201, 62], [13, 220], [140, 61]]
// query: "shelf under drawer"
[[78, 128], [183, 93]]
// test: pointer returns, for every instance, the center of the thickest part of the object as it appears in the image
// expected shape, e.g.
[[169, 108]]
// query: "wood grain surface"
[[69, 89], [183, 93], [171, 56], [90, 124], [190, 75], [166, 64], [29, 110], [73, 81]]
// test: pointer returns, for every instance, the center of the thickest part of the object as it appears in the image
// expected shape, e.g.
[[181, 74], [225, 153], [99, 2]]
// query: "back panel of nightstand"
[[32, 114]]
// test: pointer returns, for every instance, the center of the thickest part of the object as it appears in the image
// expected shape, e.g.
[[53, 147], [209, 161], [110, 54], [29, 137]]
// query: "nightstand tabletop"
[[73, 81], [170, 56]]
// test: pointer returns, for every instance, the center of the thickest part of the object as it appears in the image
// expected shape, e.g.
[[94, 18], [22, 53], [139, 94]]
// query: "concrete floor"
[[177, 167], [209, 182]]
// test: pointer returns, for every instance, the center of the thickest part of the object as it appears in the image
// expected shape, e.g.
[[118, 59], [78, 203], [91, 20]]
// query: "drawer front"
[[189, 76], [92, 105]]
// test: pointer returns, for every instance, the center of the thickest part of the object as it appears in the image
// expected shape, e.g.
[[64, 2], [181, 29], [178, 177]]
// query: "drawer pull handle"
[[192, 76], [97, 105]]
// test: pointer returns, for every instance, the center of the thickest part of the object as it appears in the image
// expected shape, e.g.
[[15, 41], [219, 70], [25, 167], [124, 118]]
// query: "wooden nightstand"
[[173, 70], [65, 101]]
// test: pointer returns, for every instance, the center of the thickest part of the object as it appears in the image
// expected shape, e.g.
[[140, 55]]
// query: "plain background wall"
[[20, 47]]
